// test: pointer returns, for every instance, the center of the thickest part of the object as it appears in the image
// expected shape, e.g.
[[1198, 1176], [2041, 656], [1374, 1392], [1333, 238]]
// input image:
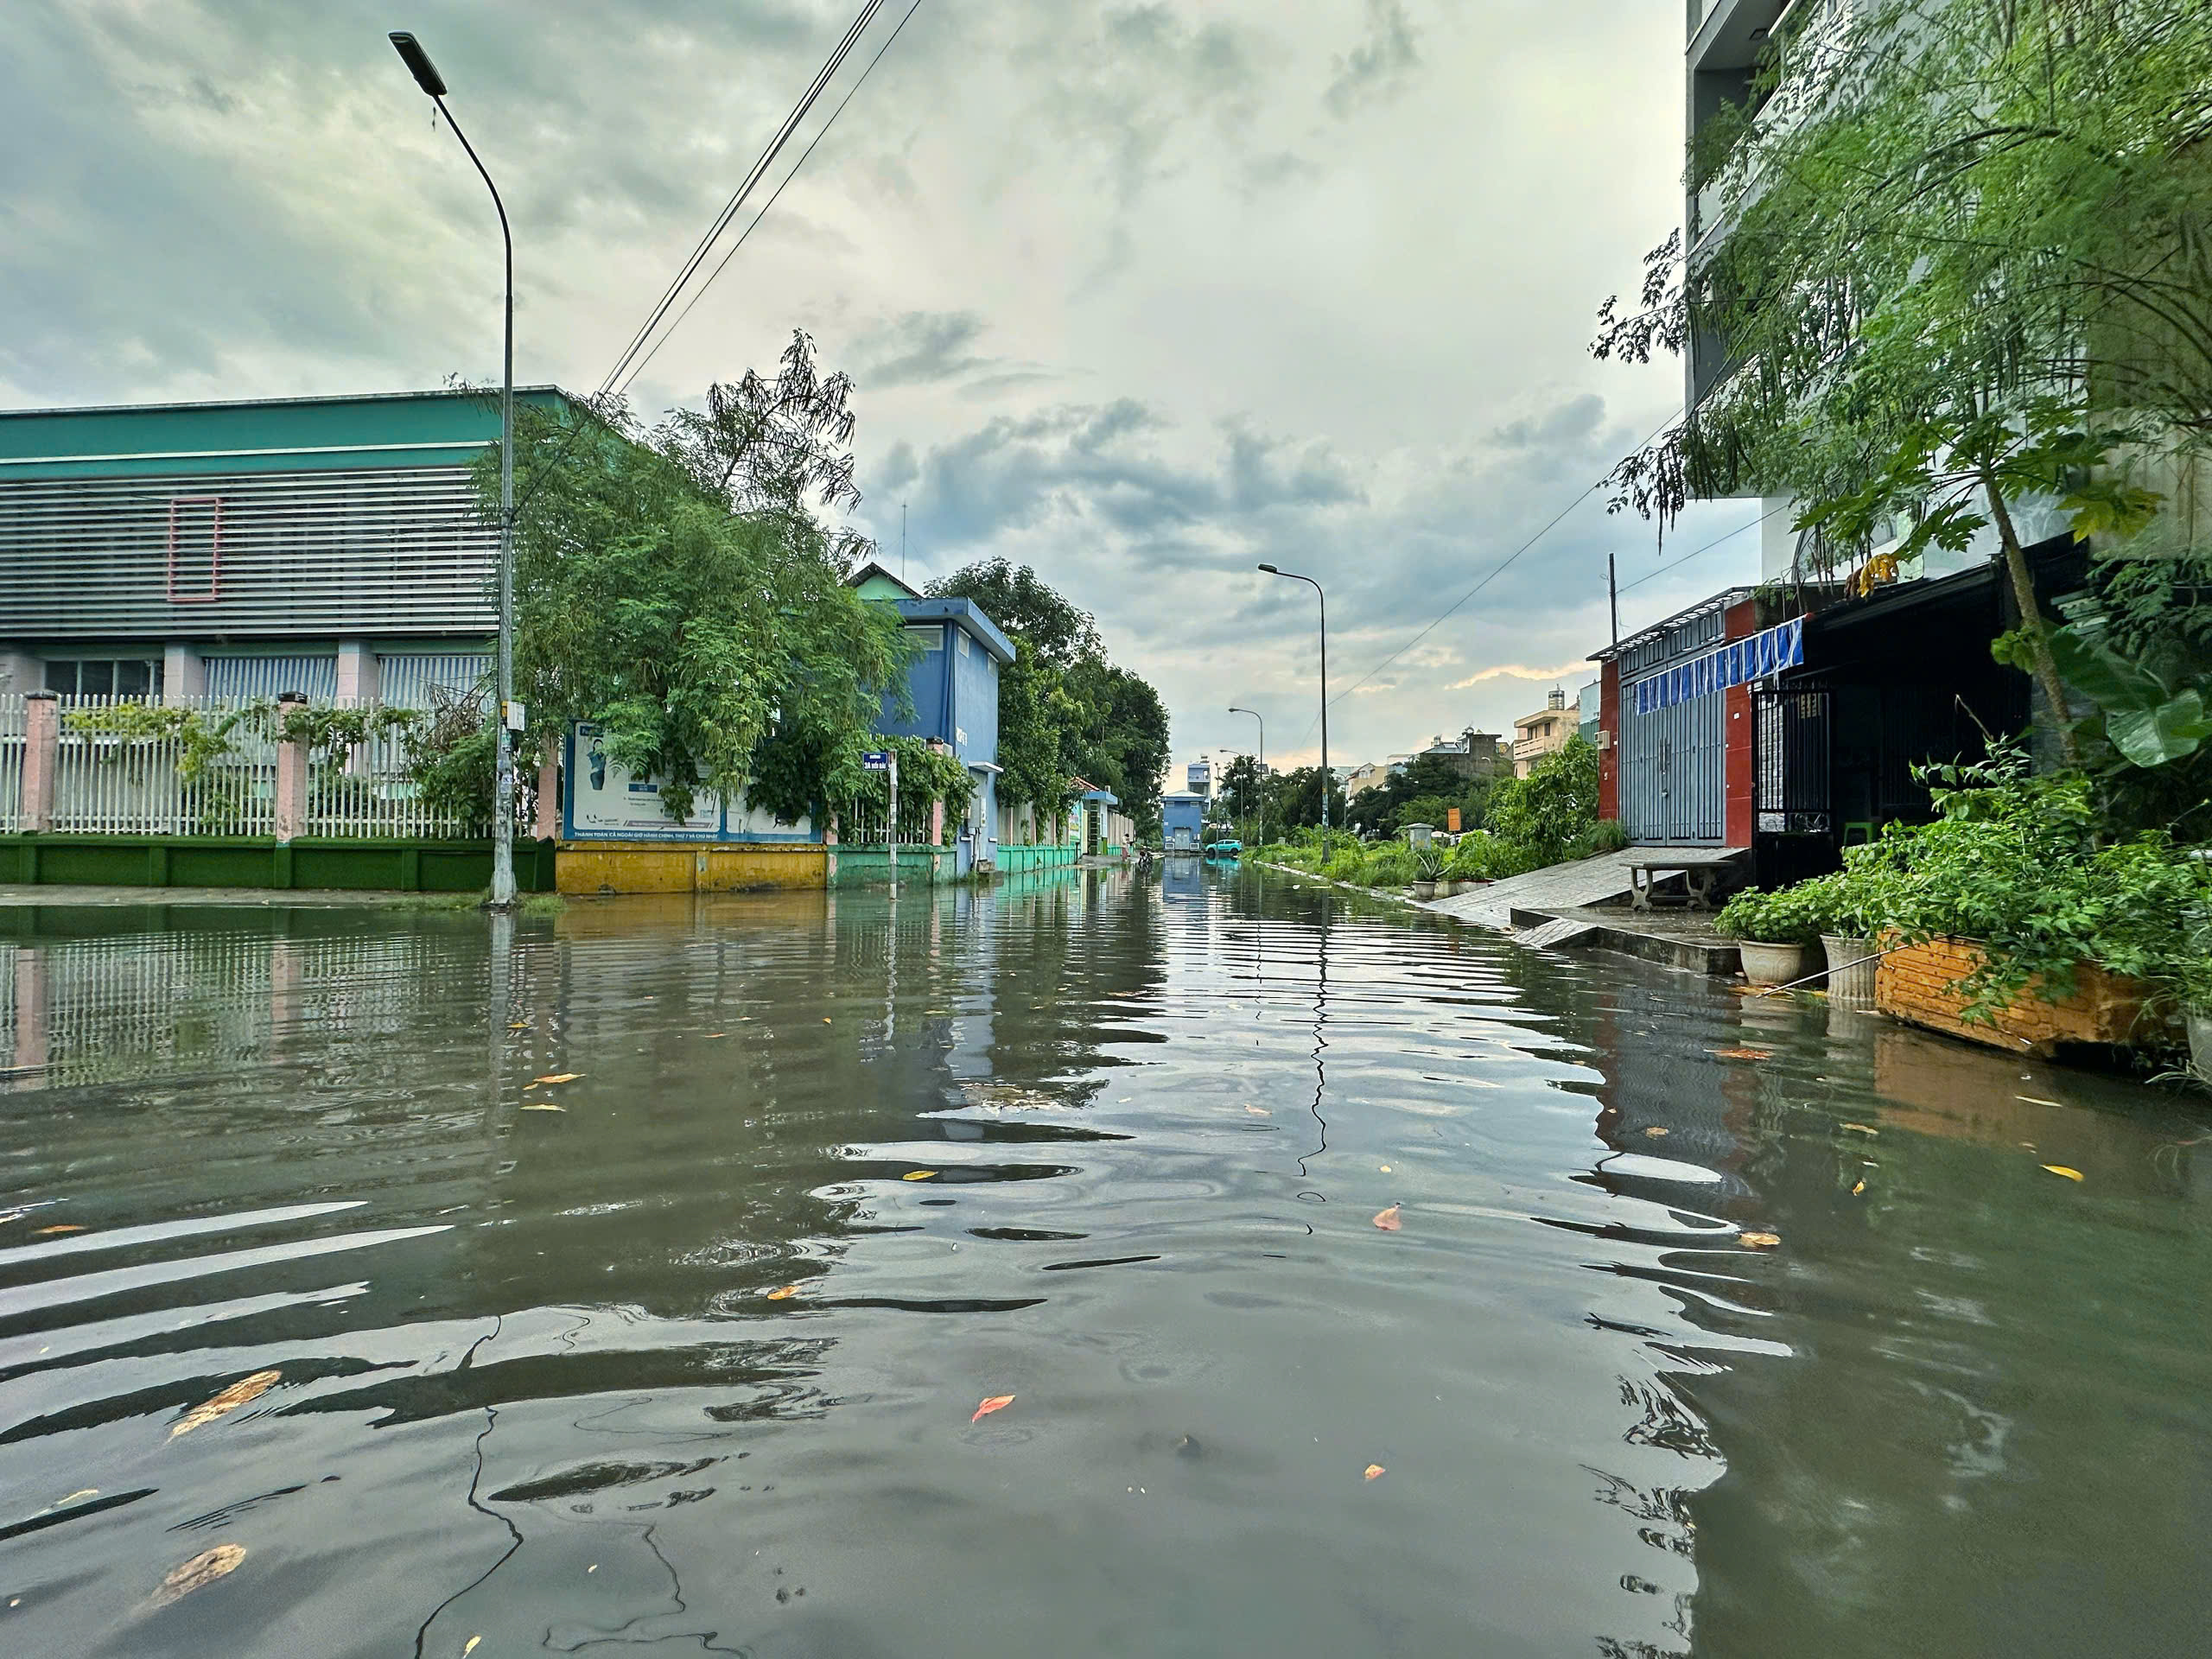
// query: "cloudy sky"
[[1140, 295]]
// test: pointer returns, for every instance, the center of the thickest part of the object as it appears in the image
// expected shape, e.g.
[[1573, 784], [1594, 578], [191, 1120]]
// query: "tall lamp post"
[[1326, 778], [1262, 763], [503, 791]]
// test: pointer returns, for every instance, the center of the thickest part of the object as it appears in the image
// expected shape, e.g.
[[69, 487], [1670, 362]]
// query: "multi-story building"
[[953, 686], [333, 546], [1474, 755], [1546, 732]]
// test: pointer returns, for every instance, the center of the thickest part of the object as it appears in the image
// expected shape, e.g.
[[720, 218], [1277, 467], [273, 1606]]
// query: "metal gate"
[[1791, 745], [1673, 768], [1673, 760]]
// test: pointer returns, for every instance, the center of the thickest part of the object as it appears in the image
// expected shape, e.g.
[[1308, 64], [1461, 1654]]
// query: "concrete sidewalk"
[[1556, 888]]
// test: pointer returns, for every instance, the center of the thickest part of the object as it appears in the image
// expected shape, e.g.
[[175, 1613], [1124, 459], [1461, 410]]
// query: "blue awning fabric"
[[1738, 663]]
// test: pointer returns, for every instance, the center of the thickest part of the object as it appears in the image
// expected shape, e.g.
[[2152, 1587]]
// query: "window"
[[929, 639], [105, 677]]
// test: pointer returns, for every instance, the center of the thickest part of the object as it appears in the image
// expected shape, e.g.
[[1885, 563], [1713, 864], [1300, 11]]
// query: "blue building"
[[954, 686], [1182, 822]]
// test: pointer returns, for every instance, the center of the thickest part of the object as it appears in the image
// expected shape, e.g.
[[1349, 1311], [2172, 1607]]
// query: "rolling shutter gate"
[[1673, 767]]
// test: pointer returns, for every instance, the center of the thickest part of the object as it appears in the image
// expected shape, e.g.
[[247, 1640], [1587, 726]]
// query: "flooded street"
[[1115, 1146]]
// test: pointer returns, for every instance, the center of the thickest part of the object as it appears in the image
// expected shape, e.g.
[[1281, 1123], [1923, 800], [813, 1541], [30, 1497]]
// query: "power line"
[[1496, 571], [669, 331], [730, 209], [1709, 546]]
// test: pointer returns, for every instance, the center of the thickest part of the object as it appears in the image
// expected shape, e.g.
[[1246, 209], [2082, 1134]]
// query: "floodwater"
[[1114, 1147]]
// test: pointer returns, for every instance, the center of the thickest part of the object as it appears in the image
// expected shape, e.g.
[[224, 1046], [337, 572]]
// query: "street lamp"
[[1326, 779], [502, 793], [1262, 763]]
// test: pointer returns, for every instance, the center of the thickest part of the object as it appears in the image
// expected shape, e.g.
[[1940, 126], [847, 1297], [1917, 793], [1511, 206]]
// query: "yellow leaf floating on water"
[[1373, 1472], [1861, 1128], [996, 1402], [1388, 1221], [825, 1019], [469, 1646], [544, 1106], [2071, 1174], [783, 1293], [1656, 1131], [1759, 1241], [1857, 1190], [238, 1394], [201, 1570], [65, 1227], [918, 1175], [558, 1077]]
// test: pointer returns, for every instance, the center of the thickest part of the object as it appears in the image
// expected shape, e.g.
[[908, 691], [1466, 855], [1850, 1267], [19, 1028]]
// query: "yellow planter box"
[[583, 868], [1919, 984]]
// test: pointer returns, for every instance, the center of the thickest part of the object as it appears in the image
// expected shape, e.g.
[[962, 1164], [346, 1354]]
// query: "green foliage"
[[1551, 810], [1967, 263], [203, 737], [1425, 791], [1788, 916], [2015, 863], [673, 586]]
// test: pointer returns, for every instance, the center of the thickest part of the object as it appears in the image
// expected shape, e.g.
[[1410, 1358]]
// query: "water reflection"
[[683, 1350]]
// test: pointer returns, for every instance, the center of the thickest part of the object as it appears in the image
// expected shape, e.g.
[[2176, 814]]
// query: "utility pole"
[[503, 788], [1326, 780], [1613, 594], [1262, 763]]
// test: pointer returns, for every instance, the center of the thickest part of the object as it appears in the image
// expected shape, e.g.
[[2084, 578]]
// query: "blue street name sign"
[[876, 760]]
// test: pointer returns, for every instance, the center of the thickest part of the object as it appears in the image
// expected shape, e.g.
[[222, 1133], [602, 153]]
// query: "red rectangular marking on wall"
[[1742, 621], [195, 552], [1609, 757]]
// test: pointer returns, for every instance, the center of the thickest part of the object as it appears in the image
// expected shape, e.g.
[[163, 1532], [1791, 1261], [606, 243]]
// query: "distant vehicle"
[[1229, 850]]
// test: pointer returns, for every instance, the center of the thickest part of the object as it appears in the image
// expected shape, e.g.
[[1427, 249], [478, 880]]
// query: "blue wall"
[[955, 687]]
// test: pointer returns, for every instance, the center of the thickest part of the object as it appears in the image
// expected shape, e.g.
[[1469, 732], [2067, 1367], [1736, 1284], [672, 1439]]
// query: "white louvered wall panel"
[[241, 679], [406, 680], [329, 555]]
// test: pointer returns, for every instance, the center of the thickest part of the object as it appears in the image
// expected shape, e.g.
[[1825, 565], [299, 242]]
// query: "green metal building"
[[334, 546]]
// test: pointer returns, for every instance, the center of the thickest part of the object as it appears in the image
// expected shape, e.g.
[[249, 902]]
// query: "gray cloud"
[[1380, 65], [1125, 302]]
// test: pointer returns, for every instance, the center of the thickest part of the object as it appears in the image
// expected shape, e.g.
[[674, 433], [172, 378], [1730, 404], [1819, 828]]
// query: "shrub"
[[1787, 917]]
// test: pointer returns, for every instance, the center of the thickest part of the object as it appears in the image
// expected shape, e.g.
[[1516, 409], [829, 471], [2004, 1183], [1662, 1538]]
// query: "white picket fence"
[[111, 784], [11, 764]]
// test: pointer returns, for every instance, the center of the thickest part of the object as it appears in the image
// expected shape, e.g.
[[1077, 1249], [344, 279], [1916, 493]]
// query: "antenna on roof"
[[902, 541]]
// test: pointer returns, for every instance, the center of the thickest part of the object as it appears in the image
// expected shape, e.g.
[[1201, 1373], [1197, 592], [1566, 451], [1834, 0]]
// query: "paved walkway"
[[1597, 880]]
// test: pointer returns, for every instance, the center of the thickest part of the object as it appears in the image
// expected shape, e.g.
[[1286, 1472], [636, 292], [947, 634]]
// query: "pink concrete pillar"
[[291, 775], [936, 823], [42, 756], [31, 989], [546, 824]]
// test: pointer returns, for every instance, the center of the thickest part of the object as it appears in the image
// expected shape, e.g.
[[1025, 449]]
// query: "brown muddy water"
[[307, 1314]]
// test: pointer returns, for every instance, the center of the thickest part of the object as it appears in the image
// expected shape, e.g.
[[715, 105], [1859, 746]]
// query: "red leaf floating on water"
[[1373, 1472], [1743, 1053], [1388, 1221], [996, 1402]]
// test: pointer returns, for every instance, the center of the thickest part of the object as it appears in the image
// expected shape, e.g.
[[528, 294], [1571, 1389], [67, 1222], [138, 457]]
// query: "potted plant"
[[1845, 908], [1429, 868], [1775, 934]]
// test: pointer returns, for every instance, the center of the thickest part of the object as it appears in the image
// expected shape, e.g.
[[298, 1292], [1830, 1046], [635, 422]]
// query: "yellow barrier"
[[678, 867]]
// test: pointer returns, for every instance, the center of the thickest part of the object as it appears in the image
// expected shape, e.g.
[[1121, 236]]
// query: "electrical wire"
[[1707, 548], [1489, 576], [699, 254], [638, 367]]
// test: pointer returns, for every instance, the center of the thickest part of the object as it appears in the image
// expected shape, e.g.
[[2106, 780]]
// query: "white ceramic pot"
[[1773, 964], [1851, 969], [1424, 890]]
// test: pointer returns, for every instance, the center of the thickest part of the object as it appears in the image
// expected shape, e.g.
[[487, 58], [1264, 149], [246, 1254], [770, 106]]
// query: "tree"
[[1967, 262], [1244, 793], [675, 586], [1423, 791], [1295, 800]]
